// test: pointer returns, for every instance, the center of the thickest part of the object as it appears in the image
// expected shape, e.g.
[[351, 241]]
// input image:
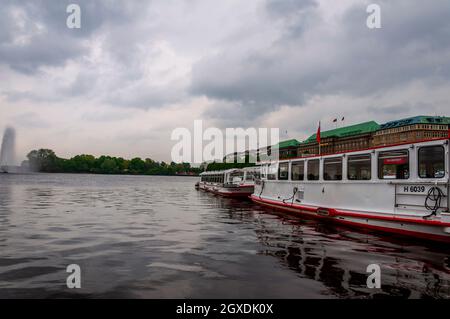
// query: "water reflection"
[[153, 237], [5, 201], [338, 256]]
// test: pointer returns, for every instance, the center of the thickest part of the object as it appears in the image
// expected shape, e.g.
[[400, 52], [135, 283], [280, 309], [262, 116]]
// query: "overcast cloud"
[[138, 69]]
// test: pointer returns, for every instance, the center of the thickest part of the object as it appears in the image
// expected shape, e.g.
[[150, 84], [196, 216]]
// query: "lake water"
[[157, 237]]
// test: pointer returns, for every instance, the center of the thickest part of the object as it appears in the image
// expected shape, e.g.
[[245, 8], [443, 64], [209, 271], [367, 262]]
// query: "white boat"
[[400, 189], [231, 183]]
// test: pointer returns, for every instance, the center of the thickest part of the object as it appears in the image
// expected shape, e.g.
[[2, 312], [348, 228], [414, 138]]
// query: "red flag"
[[318, 134]]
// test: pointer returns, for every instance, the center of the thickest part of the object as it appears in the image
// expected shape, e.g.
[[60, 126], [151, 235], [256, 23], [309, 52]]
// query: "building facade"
[[412, 129], [342, 139], [370, 134]]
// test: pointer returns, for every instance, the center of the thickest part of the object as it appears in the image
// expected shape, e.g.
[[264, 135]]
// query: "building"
[[412, 129], [287, 149], [342, 139], [354, 137]]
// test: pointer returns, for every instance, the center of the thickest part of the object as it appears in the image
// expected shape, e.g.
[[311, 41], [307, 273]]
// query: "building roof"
[[288, 143], [416, 120], [362, 128]]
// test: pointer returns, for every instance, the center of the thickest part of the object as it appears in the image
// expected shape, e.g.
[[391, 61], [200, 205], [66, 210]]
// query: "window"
[[393, 165], [236, 177], [332, 169], [250, 176], [283, 171], [257, 173], [431, 162], [313, 170], [298, 171], [272, 172], [264, 172], [359, 167]]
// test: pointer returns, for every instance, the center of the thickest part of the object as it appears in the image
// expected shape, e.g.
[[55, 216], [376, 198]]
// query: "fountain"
[[7, 151]]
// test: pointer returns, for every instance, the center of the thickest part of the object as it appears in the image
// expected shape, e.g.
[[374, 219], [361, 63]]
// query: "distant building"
[[370, 134], [287, 149], [241, 157], [342, 139], [355, 137], [412, 129]]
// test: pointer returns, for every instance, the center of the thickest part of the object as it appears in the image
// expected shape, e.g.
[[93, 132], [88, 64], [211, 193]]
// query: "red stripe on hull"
[[311, 212], [338, 212]]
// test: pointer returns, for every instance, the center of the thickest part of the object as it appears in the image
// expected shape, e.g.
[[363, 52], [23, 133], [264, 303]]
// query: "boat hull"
[[428, 229], [243, 191]]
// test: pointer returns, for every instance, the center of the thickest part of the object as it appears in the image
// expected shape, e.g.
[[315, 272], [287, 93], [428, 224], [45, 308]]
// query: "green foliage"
[[45, 160]]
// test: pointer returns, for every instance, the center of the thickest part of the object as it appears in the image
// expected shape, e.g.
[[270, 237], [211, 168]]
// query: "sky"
[[136, 70]]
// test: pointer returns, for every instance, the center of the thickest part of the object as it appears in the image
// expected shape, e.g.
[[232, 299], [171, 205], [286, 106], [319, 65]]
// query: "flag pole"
[[318, 138]]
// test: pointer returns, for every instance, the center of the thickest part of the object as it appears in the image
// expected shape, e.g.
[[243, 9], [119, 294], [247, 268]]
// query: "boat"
[[229, 183], [401, 188]]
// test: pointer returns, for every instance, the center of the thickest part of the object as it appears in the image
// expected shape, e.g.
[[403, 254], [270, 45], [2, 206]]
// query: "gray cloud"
[[414, 44], [33, 33], [286, 63]]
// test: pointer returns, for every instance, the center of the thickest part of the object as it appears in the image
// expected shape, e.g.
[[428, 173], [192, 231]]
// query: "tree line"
[[45, 160]]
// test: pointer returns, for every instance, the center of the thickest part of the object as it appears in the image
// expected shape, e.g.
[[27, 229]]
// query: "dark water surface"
[[156, 237]]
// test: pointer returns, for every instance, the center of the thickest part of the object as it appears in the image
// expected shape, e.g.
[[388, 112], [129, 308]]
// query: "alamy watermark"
[[374, 19], [74, 19], [232, 145], [73, 281], [374, 279]]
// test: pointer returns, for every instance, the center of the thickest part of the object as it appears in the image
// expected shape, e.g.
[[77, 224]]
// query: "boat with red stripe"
[[228, 183], [400, 188]]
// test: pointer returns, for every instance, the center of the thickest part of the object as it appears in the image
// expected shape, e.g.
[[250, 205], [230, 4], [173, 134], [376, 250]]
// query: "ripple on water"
[[145, 236]]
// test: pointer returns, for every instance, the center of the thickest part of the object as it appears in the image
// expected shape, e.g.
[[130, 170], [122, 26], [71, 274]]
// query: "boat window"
[[359, 167], [249, 176], [393, 164], [283, 171], [313, 170], [264, 172], [272, 172], [257, 173], [332, 169], [431, 162], [298, 171], [236, 177]]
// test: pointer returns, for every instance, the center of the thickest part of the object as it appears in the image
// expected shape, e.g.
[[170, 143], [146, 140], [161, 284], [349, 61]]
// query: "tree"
[[137, 166], [43, 160]]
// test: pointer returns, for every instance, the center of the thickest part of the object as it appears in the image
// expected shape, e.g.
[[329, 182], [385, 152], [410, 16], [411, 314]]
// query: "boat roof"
[[221, 172]]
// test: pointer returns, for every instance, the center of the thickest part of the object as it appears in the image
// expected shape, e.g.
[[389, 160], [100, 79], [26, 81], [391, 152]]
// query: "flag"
[[318, 134], [335, 120]]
